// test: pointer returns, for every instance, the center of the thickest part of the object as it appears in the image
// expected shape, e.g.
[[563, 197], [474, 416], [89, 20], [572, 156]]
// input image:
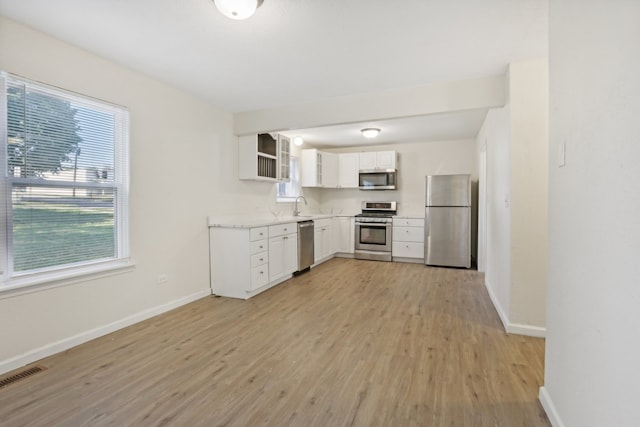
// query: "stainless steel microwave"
[[378, 179]]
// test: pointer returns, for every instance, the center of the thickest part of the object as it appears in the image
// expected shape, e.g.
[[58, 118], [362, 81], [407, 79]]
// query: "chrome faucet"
[[296, 211]]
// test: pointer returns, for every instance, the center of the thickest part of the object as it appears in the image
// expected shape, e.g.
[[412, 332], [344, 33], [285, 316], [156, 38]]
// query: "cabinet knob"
[[285, 229], [261, 246], [261, 259]]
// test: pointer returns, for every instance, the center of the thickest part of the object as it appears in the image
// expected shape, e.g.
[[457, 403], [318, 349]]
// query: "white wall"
[[183, 168], [515, 139], [593, 340], [415, 161], [494, 139], [529, 130]]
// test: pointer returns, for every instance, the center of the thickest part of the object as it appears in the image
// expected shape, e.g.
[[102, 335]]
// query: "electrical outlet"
[[163, 278]]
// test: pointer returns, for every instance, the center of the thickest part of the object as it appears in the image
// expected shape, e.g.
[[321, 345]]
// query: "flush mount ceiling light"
[[237, 9], [370, 132], [298, 140]]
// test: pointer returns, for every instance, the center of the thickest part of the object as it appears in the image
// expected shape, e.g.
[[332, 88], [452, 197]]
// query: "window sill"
[[286, 200], [54, 279]]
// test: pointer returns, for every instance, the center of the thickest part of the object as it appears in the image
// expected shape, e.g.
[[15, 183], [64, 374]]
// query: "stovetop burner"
[[375, 215], [377, 212]]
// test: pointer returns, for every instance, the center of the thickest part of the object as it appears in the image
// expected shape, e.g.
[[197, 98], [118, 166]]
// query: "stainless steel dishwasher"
[[305, 245]]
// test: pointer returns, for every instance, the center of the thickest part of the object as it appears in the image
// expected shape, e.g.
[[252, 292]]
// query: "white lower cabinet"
[[322, 240], [283, 251], [343, 234], [247, 261], [408, 239]]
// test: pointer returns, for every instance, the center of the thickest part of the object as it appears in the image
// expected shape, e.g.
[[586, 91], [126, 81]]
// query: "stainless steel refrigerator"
[[447, 219]]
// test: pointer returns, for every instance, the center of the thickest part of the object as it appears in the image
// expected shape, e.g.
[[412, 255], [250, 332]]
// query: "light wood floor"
[[357, 343]]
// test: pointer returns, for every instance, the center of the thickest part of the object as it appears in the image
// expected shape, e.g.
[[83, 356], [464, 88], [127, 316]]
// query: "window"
[[287, 191], [65, 181]]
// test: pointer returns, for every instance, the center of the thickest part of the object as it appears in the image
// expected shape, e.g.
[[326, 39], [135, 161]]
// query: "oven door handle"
[[374, 224]]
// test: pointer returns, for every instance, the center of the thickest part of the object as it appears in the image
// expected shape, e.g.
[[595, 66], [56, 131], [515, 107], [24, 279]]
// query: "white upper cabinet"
[[329, 170], [318, 169], [284, 158], [310, 168], [332, 170], [385, 159], [348, 167], [367, 160], [378, 160], [263, 157]]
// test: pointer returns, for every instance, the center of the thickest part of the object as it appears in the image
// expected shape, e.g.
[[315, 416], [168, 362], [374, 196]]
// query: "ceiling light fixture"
[[298, 140], [370, 132], [237, 9]]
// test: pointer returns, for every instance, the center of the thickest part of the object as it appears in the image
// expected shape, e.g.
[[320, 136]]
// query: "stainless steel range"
[[373, 231]]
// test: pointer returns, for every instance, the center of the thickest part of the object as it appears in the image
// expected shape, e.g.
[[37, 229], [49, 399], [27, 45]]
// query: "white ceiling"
[[433, 127], [298, 51]]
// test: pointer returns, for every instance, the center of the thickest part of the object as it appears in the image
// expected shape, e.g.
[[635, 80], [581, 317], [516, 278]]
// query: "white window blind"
[[65, 179]]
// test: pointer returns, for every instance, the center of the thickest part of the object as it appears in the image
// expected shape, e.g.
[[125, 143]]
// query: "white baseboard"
[[66, 343], [408, 260], [496, 303], [513, 328], [549, 408], [531, 331]]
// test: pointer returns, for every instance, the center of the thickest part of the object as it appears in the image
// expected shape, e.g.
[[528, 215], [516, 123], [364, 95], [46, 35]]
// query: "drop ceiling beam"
[[488, 92]]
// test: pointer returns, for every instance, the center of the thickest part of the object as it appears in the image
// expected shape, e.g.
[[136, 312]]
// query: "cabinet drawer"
[[258, 233], [408, 234], [259, 246], [408, 222], [259, 259], [319, 223], [259, 276], [407, 249], [282, 229]]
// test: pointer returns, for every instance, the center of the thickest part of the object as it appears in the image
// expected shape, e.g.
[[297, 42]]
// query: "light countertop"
[[252, 221], [239, 221]]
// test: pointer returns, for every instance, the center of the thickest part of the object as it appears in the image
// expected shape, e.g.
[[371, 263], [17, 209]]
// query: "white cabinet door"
[[259, 277], [310, 173], [329, 170], [348, 167], [283, 256], [368, 160], [276, 257], [386, 159], [317, 245], [343, 234], [327, 242], [318, 169], [290, 253], [323, 239], [378, 160], [284, 157]]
